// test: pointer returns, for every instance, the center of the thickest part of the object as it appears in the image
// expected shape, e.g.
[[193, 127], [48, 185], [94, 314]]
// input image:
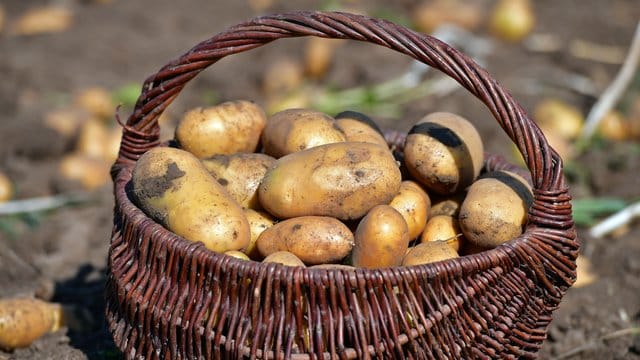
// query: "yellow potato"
[[6, 188], [90, 172], [447, 205], [342, 180], [97, 101], [512, 20], [313, 239], [444, 152], [332, 266], [237, 254], [429, 252], [382, 238], [173, 187], [23, 320], [294, 130], [227, 128], [284, 258], [359, 127], [240, 174], [443, 228], [495, 209], [259, 221], [413, 203]]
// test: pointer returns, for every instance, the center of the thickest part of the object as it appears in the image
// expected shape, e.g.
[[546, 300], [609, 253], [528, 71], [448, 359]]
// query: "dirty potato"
[[227, 128], [359, 127], [342, 180], [23, 320], [240, 174], [382, 238], [429, 252], [449, 205], [413, 203], [173, 187], [313, 239], [443, 228]]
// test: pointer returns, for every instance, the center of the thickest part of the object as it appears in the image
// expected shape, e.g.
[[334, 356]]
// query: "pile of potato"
[[303, 188]]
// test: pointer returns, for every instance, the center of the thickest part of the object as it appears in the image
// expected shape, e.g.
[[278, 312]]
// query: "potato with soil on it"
[[495, 209], [23, 320], [173, 187], [295, 130], [342, 180], [413, 203], [259, 221], [227, 128], [444, 152], [449, 205], [284, 258], [382, 238], [358, 127], [313, 239], [429, 252], [240, 174], [443, 228]]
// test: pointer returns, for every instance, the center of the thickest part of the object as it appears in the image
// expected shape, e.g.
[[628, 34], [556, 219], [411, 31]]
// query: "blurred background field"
[[66, 64]]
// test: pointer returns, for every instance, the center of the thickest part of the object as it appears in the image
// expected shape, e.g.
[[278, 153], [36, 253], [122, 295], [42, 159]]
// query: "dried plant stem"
[[41, 203], [616, 220]]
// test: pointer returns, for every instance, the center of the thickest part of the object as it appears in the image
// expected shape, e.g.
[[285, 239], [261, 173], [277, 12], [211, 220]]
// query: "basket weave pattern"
[[168, 298]]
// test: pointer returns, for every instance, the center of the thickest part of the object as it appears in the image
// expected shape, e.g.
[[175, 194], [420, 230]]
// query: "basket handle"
[[551, 206]]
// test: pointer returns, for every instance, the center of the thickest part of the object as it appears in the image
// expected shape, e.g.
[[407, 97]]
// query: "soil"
[[61, 255]]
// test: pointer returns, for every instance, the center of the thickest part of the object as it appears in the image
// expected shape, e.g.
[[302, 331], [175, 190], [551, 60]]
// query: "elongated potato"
[[240, 174], [443, 228], [294, 130], [444, 152], [358, 127], [173, 187], [382, 238], [313, 239], [495, 209], [342, 180], [259, 221], [413, 203], [284, 258], [23, 320], [227, 128], [429, 252]]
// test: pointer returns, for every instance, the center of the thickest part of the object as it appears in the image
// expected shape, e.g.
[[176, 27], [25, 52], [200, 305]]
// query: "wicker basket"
[[173, 299]]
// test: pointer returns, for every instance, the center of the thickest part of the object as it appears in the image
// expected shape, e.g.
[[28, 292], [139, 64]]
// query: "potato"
[[413, 203], [237, 254], [342, 180], [240, 174], [90, 172], [332, 267], [313, 239], [6, 188], [382, 238], [23, 320], [495, 209], [294, 130], [284, 258], [359, 127], [173, 187], [227, 128], [97, 101], [259, 221], [443, 228], [449, 205], [512, 20], [429, 252], [444, 152]]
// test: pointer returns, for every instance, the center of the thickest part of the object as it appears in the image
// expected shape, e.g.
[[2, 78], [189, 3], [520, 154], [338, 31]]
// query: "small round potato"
[[358, 127], [342, 180], [240, 174], [227, 128], [413, 203], [429, 252], [313, 239], [237, 254], [444, 152], [495, 209], [284, 258], [449, 205], [382, 238], [173, 187], [294, 130], [443, 228], [259, 221]]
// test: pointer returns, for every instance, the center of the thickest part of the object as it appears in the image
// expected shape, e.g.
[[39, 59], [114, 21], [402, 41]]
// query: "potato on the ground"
[[444, 152], [174, 188], [382, 238], [6, 188], [294, 130], [358, 127], [259, 221], [512, 20], [23, 320], [495, 209], [227, 128], [342, 180], [429, 252], [413, 203], [90, 172], [443, 228], [284, 258], [97, 101], [240, 174], [313, 239]]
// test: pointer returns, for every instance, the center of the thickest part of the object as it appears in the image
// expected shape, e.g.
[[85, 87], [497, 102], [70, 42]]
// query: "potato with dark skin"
[[449, 205], [413, 203], [23, 320], [173, 187], [294, 130], [240, 174], [495, 209], [443, 228], [429, 252], [259, 221], [342, 180], [313, 239], [284, 258], [382, 238], [358, 127], [227, 128], [444, 152]]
